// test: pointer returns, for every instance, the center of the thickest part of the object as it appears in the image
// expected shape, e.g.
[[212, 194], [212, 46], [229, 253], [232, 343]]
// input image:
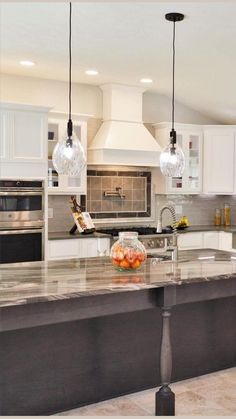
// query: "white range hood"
[[122, 138]]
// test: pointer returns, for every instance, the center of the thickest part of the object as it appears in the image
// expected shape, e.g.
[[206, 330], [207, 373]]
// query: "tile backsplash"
[[200, 209], [114, 194]]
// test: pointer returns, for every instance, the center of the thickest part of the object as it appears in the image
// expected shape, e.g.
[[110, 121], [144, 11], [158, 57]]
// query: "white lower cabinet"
[[190, 241], [63, 249], [211, 240], [206, 240], [78, 248], [225, 241]]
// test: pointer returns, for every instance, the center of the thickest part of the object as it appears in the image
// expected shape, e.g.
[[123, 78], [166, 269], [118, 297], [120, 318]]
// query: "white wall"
[[88, 99], [157, 108]]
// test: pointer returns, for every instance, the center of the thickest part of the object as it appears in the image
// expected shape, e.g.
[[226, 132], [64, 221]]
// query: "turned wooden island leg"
[[165, 398]]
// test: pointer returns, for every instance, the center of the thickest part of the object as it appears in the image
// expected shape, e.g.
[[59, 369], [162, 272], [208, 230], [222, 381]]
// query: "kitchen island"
[[77, 332]]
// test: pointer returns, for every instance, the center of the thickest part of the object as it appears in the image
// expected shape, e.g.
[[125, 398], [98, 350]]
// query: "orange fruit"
[[141, 256], [124, 264], [136, 264]]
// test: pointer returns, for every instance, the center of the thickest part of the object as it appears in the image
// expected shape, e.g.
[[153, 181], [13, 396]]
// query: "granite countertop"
[[62, 235], [230, 229], [31, 282]]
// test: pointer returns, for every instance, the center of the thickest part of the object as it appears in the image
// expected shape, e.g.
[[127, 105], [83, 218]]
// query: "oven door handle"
[[17, 193], [28, 231]]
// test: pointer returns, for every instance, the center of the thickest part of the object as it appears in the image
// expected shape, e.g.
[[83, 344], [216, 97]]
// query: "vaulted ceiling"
[[126, 41]]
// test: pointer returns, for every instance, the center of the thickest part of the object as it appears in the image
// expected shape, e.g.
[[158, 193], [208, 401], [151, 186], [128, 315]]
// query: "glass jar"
[[128, 253], [217, 217], [226, 215]]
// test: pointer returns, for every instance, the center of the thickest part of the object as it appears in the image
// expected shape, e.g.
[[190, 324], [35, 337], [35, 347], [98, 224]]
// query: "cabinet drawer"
[[63, 249], [190, 241]]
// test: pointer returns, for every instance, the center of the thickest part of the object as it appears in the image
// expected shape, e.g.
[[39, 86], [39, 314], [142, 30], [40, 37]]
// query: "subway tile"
[[128, 174], [127, 205], [127, 183], [106, 173], [96, 195], [96, 206], [106, 215], [139, 206], [116, 182], [106, 205], [117, 205], [138, 195], [128, 194], [96, 182], [106, 183], [138, 183], [127, 214], [91, 173]]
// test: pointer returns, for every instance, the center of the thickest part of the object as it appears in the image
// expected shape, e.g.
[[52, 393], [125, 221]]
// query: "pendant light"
[[68, 155], [172, 161]]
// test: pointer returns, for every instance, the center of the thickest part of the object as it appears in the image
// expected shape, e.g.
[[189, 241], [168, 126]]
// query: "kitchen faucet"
[[174, 247]]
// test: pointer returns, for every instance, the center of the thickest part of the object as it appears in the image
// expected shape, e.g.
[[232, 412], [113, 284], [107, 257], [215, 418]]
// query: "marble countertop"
[[30, 282], [229, 229], [62, 235]]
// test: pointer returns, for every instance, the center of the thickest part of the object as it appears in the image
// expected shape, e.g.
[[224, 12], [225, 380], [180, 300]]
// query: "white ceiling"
[[126, 41]]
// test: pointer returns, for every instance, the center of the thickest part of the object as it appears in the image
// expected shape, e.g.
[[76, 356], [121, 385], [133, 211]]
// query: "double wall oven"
[[21, 221]]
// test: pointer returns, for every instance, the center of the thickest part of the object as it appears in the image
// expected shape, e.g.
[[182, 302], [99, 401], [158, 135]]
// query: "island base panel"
[[48, 369]]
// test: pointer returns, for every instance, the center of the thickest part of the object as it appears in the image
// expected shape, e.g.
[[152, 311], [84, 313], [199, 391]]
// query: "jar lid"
[[128, 235]]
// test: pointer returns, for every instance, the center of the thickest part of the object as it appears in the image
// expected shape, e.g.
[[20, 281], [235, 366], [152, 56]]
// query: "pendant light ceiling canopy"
[[172, 161], [68, 155]]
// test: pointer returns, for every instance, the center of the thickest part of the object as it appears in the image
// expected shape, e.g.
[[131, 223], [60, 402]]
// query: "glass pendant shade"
[[68, 156], [172, 161]]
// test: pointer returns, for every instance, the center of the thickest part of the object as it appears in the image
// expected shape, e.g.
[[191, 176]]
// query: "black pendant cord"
[[70, 125], [173, 17], [173, 79], [173, 132]]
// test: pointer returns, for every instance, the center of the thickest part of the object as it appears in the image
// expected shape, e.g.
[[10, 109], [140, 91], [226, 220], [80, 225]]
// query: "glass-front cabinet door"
[[177, 184], [193, 171], [190, 139], [63, 184]]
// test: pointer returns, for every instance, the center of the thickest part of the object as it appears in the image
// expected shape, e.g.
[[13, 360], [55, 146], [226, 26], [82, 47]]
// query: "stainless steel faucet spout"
[[174, 247]]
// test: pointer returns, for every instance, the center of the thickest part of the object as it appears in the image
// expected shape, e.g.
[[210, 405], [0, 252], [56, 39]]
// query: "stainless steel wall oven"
[[21, 221]]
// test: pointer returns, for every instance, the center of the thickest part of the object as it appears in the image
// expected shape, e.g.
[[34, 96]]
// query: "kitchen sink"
[[163, 257]]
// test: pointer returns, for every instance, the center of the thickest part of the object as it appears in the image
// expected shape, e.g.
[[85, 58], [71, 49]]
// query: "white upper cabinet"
[[189, 138], [219, 160], [57, 128], [23, 141]]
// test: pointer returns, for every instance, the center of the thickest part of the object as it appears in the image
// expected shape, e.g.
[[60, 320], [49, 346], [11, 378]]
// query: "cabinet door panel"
[[63, 249], [4, 134], [219, 155], [211, 240], [29, 136], [225, 241], [88, 248], [190, 241]]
